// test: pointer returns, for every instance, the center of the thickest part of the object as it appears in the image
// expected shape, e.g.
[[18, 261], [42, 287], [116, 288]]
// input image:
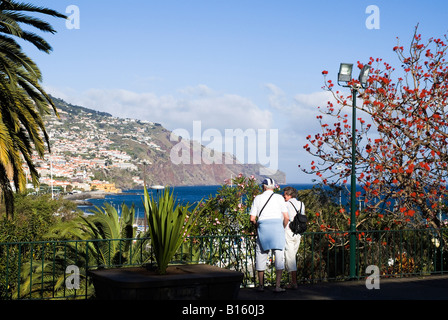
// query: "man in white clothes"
[[270, 215], [292, 240]]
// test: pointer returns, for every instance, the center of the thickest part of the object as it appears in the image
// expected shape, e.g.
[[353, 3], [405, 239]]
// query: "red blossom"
[[402, 152]]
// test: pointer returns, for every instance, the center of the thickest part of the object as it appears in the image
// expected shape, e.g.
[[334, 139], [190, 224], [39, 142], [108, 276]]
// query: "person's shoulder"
[[278, 196], [280, 200], [259, 197], [296, 202]]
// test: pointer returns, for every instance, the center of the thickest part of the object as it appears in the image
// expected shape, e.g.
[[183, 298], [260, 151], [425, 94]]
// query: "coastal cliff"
[[89, 146]]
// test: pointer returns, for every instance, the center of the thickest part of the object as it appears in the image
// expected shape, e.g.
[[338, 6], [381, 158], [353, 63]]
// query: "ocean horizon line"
[[219, 185], [133, 196]]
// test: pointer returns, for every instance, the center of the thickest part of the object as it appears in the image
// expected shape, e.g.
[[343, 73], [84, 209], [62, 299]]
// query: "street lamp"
[[345, 75]]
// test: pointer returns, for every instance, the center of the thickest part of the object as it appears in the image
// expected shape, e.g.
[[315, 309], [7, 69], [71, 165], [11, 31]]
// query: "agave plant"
[[169, 223]]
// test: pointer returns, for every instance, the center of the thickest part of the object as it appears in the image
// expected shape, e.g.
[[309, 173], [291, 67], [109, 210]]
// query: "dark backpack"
[[298, 224]]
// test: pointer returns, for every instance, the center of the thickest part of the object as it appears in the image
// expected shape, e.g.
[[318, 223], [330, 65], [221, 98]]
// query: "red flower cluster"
[[407, 155]]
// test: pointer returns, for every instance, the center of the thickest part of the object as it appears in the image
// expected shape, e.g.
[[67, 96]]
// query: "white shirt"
[[273, 210], [291, 211]]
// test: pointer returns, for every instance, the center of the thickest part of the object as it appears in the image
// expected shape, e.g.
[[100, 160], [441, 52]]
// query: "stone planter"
[[192, 282]]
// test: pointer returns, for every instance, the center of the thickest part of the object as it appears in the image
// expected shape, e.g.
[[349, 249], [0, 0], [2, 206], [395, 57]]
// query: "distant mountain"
[[90, 145]]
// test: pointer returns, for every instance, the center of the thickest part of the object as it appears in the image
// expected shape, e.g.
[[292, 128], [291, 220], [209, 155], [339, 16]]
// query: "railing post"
[[19, 262]]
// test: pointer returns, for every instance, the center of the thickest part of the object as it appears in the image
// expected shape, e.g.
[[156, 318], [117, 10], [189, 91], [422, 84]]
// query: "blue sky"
[[229, 64]]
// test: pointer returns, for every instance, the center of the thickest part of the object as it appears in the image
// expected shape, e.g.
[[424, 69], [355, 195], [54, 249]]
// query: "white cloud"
[[296, 118], [298, 112], [214, 109]]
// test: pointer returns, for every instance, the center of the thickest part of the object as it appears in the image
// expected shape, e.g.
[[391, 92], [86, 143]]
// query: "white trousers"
[[291, 247], [261, 258]]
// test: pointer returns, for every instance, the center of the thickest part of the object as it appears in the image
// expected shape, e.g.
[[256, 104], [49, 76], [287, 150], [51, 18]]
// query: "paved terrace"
[[421, 288]]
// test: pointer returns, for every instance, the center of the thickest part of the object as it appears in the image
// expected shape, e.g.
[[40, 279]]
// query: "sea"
[[183, 194]]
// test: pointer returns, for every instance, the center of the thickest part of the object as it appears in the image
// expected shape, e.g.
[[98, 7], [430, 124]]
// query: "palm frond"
[[23, 102]]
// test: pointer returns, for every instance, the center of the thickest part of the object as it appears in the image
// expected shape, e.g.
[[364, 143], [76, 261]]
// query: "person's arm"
[[253, 213], [285, 219], [285, 213], [253, 219]]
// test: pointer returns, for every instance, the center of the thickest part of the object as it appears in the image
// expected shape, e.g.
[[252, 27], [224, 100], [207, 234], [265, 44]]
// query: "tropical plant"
[[169, 224], [226, 212], [107, 223], [34, 216], [105, 238], [23, 102]]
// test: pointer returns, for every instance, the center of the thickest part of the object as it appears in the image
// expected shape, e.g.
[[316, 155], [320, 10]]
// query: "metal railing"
[[396, 253], [58, 269]]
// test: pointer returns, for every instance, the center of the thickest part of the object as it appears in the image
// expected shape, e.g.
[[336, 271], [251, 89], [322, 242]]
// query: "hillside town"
[[83, 143]]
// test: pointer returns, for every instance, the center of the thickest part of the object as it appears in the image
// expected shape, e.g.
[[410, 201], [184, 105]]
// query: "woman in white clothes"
[[292, 240]]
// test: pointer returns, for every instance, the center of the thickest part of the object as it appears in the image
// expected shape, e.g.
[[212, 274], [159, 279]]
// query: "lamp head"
[[345, 72], [364, 75]]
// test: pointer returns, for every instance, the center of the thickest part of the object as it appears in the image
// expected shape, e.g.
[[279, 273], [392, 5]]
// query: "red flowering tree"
[[401, 136]]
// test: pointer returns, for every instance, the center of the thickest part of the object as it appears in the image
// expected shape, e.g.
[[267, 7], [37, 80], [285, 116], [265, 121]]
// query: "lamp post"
[[345, 75]]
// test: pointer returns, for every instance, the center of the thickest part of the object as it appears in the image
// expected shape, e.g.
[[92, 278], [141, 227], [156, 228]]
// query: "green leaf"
[[169, 224]]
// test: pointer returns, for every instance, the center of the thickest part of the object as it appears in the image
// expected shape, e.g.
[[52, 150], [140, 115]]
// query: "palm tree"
[[23, 102]]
